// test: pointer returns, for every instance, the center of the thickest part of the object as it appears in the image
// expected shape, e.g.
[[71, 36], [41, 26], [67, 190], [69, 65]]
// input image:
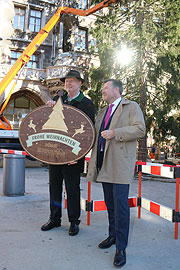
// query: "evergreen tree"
[[150, 29]]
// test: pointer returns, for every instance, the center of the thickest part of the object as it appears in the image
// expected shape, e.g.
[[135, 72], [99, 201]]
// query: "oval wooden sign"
[[57, 135]]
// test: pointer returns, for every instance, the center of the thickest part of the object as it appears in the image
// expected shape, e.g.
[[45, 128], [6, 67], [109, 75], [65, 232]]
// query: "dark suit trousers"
[[116, 199], [72, 182]]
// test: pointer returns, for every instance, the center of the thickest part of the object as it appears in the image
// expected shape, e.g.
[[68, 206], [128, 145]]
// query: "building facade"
[[67, 46]]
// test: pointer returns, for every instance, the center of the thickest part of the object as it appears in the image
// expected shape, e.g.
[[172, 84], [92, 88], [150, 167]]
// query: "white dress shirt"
[[116, 103]]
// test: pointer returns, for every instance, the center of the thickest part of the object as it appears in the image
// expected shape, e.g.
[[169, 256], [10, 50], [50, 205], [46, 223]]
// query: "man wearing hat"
[[70, 173]]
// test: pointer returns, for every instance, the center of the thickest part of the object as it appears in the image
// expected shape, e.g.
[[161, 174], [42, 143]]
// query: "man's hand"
[[51, 103], [108, 134]]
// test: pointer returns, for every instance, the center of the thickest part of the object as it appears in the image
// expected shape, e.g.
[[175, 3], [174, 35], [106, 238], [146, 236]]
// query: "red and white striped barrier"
[[157, 209], [167, 172], [167, 213], [160, 210], [158, 169], [101, 206], [14, 152], [148, 168], [153, 164], [98, 205], [162, 170], [153, 207]]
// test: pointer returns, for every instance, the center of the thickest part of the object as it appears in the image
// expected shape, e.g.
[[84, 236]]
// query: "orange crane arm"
[[32, 47], [40, 37]]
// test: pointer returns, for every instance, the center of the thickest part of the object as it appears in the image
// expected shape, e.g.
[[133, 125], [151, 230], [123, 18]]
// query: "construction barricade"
[[163, 170], [168, 171], [13, 152]]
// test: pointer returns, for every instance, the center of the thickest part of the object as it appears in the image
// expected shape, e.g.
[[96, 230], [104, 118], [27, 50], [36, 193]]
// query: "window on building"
[[33, 62], [14, 56], [83, 4], [17, 109], [81, 39], [19, 18], [35, 20], [22, 103]]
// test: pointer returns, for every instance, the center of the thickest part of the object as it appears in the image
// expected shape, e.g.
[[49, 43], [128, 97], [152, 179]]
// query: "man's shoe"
[[119, 258], [107, 242], [50, 225], [73, 229]]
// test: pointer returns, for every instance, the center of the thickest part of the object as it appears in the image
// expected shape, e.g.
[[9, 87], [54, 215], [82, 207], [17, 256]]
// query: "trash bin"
[[13, 175]]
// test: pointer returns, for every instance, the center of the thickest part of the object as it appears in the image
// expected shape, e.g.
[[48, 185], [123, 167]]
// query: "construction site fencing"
[[162, 170]]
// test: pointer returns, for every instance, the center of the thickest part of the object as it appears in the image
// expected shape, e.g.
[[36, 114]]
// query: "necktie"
[[108, 115]]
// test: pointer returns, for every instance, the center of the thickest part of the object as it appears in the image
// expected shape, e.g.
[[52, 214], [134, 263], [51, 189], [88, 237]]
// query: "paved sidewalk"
[[23, 246]]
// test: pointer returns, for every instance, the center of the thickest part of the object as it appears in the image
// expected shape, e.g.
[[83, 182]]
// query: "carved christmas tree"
[[56, 118]]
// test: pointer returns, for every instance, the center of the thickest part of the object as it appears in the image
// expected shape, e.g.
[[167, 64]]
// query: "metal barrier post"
[[177, 200], [88, 200], [65, 198], [139, 192]]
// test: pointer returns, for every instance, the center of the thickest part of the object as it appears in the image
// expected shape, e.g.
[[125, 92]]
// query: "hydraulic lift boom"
[[33, 46]]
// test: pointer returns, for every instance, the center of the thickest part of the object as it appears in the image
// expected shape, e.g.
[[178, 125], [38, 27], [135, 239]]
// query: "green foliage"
[[151, 30]]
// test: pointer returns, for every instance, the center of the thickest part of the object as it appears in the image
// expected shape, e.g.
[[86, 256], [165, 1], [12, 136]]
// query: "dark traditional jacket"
[[86, 105]]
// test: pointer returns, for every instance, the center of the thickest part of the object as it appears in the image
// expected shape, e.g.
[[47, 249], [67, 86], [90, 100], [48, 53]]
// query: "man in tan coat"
[[112, 162]]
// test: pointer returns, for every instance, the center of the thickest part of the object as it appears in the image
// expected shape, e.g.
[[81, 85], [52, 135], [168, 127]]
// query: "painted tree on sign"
[[56, 118]]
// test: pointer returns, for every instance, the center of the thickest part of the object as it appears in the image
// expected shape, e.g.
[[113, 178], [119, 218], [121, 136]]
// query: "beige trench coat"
[[120, 152]]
